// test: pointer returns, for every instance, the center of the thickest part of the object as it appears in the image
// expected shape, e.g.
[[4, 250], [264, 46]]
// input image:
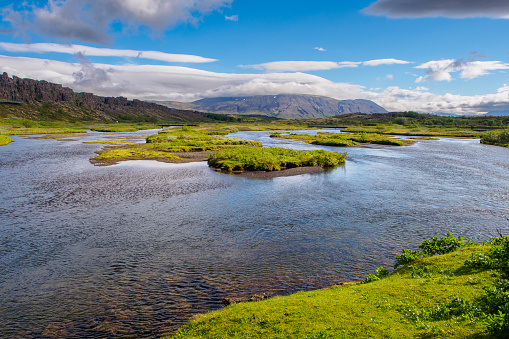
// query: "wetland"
[[135, 249]]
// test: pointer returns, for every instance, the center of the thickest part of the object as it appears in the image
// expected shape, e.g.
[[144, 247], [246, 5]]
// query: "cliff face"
[[289, 106], [42, 94]]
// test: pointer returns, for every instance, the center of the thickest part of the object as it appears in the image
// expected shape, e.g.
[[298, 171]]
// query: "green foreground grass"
[[441, 296], [345, 139]]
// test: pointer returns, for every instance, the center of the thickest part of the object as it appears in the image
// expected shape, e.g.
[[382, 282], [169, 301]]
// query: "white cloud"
[[320, 49], [301, 66], [440, 70], [379, 62], [390, 76], [439, 8], [231, 18], [90, 20], [152, 82], [105, 52]]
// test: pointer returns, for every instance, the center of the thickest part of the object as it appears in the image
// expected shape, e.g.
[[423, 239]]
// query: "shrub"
[[444, 245], [498, 138], [380, 274], [408, 257]]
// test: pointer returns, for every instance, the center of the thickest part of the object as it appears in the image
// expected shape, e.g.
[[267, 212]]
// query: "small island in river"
[[186, 144]]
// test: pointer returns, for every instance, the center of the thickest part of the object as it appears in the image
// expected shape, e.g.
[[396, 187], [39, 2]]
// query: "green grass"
[[122, 127], [414, 124], [345, 139], [271, 159], [132, 152], [4, 140], [497, 138], [104, 142], [434, 297]]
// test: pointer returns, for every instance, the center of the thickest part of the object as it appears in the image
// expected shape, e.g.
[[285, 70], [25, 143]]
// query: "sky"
[[431, 56]]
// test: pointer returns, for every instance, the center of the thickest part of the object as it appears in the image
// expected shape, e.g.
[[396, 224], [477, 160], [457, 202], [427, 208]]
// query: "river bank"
[[138, 248]]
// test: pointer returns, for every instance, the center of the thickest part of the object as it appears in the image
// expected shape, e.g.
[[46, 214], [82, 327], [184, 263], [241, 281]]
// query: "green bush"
[[498, 138], [444, 245], [380, 274], [408, 257]]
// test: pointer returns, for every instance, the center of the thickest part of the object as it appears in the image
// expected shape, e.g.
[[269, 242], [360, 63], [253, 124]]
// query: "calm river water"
[[135, 249]]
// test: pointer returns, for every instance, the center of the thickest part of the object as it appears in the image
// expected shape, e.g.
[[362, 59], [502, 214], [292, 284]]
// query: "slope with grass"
[[450, 295]]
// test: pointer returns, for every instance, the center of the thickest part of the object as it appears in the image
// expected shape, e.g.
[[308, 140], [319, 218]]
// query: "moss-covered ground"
[[434, 297], [186, 143], [345, 139], [272, 159], [4, 140]]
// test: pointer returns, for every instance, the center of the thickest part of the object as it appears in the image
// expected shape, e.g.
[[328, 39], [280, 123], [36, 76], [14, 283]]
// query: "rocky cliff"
[[43, 100]]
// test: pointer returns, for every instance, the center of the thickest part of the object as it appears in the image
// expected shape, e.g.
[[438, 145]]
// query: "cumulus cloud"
[[439, 8], [378, 62], [320, 49], [105, 52], [301, 66], [90, 20], [231, 18], [89, 75], [440, 70], [155, 82]]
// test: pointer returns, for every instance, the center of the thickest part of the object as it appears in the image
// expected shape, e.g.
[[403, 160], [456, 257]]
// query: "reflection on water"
[[134, 250]]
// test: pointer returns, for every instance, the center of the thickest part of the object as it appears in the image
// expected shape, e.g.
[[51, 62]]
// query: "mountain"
[[497, 113], [42, 100], [288, 106]]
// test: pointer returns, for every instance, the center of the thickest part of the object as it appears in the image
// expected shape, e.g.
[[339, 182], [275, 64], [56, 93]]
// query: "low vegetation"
[[345, 139], [4, 140], [230, 154], [497, 138], [414, 124], [183, 144], [449, 288], [272, 159]]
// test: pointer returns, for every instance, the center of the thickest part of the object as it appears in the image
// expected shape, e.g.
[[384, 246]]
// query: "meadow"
[[449, 288]]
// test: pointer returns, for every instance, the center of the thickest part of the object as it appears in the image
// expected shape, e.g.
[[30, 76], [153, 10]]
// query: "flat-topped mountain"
[[289, 106]]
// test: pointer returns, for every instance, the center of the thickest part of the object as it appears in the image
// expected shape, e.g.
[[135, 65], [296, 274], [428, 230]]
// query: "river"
[[135, 249]]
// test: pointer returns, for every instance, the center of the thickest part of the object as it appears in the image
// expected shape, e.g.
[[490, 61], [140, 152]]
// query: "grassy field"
[[345, 139], [271, 159], [230, 154], [453, 295], [414, 124]]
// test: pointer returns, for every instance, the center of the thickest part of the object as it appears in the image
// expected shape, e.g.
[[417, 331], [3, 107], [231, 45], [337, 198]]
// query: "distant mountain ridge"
[[498, 113], [287, 106]]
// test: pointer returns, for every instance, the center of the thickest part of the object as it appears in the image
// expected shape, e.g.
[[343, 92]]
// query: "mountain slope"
[[288, 106], [42, 100]]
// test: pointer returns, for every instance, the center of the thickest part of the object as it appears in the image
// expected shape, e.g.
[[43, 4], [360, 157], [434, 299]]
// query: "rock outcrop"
[[43, 99]]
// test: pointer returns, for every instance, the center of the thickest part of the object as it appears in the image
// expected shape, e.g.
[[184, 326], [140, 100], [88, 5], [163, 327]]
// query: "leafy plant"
[[381, 273], [407, 257], [443, 245]]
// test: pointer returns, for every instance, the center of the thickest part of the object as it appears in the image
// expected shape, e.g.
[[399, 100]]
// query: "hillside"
[[42, 100], [459, 294], [288, 106]]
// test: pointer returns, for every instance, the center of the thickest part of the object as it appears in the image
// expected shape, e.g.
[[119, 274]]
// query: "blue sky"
[[427, 56]]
